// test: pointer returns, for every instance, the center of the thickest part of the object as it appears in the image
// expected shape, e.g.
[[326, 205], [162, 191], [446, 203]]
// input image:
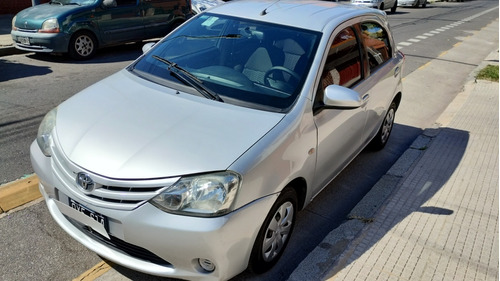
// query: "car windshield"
[[73, 2], [249, 63]]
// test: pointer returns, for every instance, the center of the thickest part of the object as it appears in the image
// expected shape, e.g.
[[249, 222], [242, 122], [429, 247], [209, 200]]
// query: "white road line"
[[405, 43], [426, 35]]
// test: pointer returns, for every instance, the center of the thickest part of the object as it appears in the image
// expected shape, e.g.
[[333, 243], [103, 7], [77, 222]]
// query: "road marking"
[[424, 36], [96, 271]]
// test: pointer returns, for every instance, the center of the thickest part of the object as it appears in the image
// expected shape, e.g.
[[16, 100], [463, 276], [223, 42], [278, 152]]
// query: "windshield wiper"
[[55, 2], [188, 78]]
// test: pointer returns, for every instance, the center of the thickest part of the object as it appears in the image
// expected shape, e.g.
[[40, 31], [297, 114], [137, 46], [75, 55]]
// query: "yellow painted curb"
[[96, 271], [18, 193]]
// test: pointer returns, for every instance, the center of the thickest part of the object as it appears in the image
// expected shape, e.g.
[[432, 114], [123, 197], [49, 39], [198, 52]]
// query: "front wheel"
[[82, 45], [274, 233], [385, 130]]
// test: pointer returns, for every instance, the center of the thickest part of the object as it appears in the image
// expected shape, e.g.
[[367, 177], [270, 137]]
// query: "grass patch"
[[489, 73]]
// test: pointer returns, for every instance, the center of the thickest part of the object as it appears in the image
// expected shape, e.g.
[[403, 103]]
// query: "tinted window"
[[376, 42], [121, 3], [343, 65]]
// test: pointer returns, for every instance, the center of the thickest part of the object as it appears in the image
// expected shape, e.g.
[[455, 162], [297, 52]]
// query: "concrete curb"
[[18, 193]]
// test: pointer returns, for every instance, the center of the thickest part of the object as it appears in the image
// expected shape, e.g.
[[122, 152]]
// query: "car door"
[[339, 131], [121, 21], [382, 77], [160, 15]]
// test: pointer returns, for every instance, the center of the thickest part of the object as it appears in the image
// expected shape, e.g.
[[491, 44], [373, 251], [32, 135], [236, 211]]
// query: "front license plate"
[[89, 213], [24, 40]]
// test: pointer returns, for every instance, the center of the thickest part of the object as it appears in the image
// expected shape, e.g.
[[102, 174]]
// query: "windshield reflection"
[[248, 63]]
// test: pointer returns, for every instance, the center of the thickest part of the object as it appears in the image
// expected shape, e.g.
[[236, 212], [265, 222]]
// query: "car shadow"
[[450, 155], [20, 70]]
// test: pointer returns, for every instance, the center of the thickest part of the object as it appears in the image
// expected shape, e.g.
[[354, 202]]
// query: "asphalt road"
[[30, 85]]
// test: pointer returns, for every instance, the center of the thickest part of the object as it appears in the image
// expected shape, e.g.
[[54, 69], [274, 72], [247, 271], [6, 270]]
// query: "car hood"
[[33, 17], [125, 127]]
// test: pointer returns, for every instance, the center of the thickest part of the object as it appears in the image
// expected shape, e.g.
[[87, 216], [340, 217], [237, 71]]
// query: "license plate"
[[89, 213], [24, 40]]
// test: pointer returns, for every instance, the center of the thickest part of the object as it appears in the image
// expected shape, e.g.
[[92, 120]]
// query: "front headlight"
[[50, 26], [202, 195], [44, 137], [14, 23]]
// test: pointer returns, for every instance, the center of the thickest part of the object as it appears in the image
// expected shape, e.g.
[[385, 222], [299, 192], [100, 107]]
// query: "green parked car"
[[80, 27]]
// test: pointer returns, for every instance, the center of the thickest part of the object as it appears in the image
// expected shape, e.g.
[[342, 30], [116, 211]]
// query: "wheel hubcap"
[[387, 126], [84, 45], [278, 231]]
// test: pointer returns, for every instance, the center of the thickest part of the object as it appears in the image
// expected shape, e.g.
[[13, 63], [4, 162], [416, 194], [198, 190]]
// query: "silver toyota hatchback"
[[194, 160]]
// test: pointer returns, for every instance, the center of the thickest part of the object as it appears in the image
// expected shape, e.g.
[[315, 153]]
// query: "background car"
[[412, 3], [378, 4], [199, 6], [80, 27], [194, 160]]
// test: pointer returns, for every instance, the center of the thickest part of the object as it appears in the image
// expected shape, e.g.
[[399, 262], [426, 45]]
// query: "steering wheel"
[[277, 69]]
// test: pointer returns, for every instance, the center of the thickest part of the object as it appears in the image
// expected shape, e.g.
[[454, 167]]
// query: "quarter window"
[[376, 43]]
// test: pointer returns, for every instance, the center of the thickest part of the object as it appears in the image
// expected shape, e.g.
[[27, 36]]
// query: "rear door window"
[[376, 43]]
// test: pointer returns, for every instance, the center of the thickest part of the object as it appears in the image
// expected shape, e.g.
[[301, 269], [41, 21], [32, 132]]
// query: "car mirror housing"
[[108, 3], [147, 47], [341, 98]]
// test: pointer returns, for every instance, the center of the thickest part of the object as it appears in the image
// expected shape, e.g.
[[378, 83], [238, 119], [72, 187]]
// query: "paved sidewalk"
[[442, 222], [6, 44]]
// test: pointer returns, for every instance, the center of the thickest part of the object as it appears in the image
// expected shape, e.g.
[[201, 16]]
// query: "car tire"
[[274, 233], [82, 45], [424, 4], [385, 129], [393, 9]]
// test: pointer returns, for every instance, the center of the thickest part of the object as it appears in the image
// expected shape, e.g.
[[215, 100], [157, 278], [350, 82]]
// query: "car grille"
[[27, 30], [120, 245], [107, 193]]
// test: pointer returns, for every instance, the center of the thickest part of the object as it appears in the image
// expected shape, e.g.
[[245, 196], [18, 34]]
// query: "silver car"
[[412, 3], [194, 160], [377, 4]]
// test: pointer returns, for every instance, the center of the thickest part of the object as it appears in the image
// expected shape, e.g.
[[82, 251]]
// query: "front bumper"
[[41, 42], [161, 244]]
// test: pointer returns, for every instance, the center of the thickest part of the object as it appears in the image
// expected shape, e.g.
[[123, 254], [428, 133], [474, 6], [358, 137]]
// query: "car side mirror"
[[108, 3], [341, 98], [147, 47]]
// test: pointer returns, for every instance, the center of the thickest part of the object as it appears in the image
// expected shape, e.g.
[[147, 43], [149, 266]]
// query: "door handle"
[[365, 99], [396, 71]]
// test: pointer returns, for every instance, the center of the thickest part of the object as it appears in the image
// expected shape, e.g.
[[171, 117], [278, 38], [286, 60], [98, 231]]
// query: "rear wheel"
[[393, 9], [385, 130], [274, 233], [82, 45]]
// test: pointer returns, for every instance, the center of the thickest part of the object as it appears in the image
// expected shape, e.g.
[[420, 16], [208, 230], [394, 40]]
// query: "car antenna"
[[264, 12]]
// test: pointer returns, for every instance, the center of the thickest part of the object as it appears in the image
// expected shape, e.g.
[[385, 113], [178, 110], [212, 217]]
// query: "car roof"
[[307, 14]]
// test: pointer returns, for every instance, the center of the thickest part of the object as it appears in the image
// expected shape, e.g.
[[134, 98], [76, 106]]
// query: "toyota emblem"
[[85, 182]]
